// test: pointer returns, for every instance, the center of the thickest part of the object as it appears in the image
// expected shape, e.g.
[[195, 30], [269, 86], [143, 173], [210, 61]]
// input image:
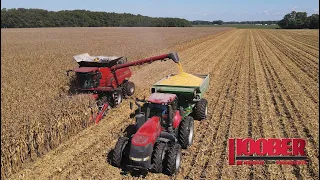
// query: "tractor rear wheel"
[[120, 152], [185, 135], [172, 160], [201, 109], [128, 88], [157, 157]]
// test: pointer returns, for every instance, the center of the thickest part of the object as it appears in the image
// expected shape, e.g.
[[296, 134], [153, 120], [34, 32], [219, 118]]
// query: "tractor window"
[[158, 110]]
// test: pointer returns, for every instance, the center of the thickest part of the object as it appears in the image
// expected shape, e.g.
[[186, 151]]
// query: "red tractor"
[[107, 78], [161, 132], [164, 124]]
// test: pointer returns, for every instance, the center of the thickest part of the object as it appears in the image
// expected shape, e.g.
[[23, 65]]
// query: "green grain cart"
[[189, 97]]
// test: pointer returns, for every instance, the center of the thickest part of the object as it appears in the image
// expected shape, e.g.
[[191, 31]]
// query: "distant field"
[[242, 26]]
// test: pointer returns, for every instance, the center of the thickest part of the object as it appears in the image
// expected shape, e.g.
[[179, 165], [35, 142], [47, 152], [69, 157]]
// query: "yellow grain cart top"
[[188, 85]]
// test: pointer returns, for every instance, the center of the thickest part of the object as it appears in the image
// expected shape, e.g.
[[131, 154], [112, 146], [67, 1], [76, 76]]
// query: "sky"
[[209, 10]]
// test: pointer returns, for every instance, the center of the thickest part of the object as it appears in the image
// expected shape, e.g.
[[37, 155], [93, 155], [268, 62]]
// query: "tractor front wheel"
[[186, 128], [157, 157], [201, 109], [173, 160], [128, 88], [120, 152]]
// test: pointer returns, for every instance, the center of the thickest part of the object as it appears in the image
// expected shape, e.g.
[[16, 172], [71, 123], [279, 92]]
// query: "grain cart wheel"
[[186, 128], [120, 152], [157, 157], [201, 109], [128, 88], [172, 160]]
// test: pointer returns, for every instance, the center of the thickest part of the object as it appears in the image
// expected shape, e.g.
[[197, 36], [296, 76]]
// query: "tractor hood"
[[148, 132]]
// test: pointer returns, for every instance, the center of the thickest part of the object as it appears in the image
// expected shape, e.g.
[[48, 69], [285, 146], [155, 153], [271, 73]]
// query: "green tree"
[[29, 18], [314, 21], [299, 20]]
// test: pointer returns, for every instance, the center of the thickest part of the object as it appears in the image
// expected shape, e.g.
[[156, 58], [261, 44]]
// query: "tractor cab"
[[161, 105]]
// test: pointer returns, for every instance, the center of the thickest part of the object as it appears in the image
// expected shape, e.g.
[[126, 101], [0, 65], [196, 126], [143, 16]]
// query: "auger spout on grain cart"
[[107, 78]]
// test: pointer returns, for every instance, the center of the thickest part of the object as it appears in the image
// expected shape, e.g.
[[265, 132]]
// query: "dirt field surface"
[[263, 83]]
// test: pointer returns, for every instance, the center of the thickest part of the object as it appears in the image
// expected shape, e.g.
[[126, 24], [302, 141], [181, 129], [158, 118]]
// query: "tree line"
[[299, 20], [200, 22], [252, 22], [32, 18], [220, 22], [293, 20]]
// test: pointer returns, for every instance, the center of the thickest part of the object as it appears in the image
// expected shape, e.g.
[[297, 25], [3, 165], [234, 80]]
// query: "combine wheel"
[[157, 157], [172, 160], [120, 152], [128, 88], [201, 109], [186, 128], [117, 98]]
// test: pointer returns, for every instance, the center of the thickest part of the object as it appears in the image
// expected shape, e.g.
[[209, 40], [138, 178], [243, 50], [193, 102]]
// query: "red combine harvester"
[[107, 78]]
